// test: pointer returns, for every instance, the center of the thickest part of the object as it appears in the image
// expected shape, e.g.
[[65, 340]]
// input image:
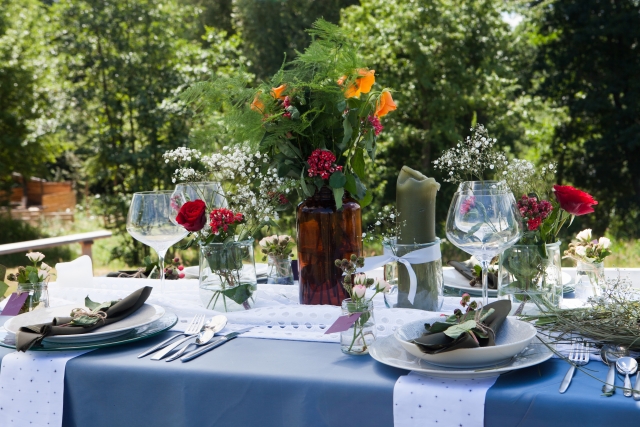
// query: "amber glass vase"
[[324, 235]]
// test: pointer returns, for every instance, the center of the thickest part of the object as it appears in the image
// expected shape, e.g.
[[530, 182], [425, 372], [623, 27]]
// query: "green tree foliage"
[[270, 29], [588, 62], [28, 92], [124, 63], [451, 64]]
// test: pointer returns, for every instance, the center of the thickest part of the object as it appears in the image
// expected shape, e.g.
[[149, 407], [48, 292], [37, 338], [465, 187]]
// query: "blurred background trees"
[[89, 87]]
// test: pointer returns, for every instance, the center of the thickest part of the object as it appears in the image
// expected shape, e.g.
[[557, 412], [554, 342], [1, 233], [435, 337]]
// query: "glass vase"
[[324, 235], [227, 277], [590, 280], [38, 296], [357, 339], [279, 271], [430, 279], [531, 273]]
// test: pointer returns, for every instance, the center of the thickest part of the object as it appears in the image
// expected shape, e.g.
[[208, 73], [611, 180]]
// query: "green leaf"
[[3, 288], [337, 180], [33, 277], [306, 190], [361, 190], [289, 149], [357, 162], [3, 272], [456, 330], [440, 327], [366, 200], [348, 132], [475, 228], [337, 195], [341, 105], [350, 185], [240, 293]]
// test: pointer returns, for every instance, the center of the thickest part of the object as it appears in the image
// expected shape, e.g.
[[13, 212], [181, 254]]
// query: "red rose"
[[574, 201], [192, 215]]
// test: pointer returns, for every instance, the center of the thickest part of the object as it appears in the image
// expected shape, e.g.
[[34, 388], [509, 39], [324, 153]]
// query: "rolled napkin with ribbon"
[[474, 329], [81, 320]]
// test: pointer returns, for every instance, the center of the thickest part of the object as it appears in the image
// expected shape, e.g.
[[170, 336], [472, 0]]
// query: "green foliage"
[[124, 62], [587, 62], [29, 107]]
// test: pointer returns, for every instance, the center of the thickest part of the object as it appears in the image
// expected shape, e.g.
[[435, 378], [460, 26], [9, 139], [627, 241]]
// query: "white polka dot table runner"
[[423, 401], [32, 388]]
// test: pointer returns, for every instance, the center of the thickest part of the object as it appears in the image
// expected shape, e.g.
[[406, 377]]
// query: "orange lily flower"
[[257, 105], [276, 92], [362, 84], [385, 104]]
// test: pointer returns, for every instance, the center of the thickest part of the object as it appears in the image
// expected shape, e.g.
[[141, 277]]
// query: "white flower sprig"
[[587, 249], [522, 178], [472, 158]]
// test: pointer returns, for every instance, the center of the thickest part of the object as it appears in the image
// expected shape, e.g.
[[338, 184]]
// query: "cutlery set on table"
[[205, 340]]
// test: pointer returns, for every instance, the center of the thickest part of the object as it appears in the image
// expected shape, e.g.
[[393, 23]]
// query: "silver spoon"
[[216, 324], [609, 354], [627, 366]]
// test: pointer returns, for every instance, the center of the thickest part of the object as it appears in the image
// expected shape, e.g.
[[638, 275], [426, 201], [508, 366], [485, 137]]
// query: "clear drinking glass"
[[208, 191], [483, 221], [151, 220]]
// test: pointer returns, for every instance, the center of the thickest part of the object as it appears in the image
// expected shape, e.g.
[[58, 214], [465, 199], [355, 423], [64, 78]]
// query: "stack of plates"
[[150, 319], [454, 279], [514, 349]]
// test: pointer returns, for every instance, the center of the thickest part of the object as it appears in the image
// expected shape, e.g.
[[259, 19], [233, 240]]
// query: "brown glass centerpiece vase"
[[324, 235]]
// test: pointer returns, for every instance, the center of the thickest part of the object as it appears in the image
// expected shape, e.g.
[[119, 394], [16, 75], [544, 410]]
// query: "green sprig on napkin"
[[96, 313], [114, 311]]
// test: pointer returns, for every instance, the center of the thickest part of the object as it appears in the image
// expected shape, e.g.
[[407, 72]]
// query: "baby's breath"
[[472, 158]]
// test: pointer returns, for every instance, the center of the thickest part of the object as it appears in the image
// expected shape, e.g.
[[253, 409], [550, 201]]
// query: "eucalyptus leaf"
[[366, 200], [240, 293], [357, 162], [304, 185], [337, 195], [475, 228], [337, 180], [439, 327], [348, 133], [456, 330]]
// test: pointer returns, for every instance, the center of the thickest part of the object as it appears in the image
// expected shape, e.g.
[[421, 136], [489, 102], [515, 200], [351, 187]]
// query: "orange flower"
[[362, 84], [276, 92], [385, 104], [257, 105]]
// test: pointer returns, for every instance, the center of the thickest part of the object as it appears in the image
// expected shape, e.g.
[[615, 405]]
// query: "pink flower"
[[375, 123], [467, 204], [359, 291]]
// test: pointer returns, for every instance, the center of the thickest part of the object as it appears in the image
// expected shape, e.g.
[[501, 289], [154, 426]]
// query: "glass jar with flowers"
[[277, 252], [244, 195], [357, 339], [589, 253], [33, 280], [317, 120]]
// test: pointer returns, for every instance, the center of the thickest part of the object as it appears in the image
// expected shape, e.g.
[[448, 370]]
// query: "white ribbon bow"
[[420, 256]]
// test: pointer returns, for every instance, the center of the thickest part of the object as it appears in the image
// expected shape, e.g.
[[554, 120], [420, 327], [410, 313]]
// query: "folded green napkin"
[[28, 336], [440, 342]]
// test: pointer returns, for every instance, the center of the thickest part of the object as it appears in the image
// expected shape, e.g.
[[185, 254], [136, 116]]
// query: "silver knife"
[[221, 340]]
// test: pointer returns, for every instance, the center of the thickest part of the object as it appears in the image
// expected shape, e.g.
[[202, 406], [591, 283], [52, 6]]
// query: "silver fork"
[[192, 328], [579, 356], [193, 332]]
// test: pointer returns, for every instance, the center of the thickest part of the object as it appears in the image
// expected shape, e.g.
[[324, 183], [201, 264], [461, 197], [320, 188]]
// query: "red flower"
[[222, 218], [467, 204], [534, 223], [321, 163], [192, 215], [574, 201], [375, 124]]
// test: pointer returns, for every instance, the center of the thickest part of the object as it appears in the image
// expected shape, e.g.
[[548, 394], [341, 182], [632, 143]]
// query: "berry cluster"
[[375, 123], [533, 211], [222, 218], [322, 164], [286, 102]]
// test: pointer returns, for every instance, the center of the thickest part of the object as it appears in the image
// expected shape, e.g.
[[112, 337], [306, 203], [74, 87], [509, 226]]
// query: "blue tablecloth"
[[254, 382]]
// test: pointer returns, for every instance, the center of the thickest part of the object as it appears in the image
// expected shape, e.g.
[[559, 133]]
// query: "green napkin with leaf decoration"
[[114, 311], [465, 332]]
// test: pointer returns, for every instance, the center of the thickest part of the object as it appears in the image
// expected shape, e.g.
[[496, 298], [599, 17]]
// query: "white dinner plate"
[[145, 315], [193, 272], [455, 280], [387, 350], [514, 335]]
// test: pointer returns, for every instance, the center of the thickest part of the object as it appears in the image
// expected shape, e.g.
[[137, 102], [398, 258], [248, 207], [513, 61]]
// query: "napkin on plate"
[[440, 343], [466, 269], [27, 336]]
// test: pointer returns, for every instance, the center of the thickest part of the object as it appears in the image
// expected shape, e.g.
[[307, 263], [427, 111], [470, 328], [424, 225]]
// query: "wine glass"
[[151, 220], [483, 221], [208, 191]]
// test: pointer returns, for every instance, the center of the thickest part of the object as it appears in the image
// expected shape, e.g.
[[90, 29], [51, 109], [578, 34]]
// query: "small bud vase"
[[279, 272], [590, 280], [357, 339], [38, 296]]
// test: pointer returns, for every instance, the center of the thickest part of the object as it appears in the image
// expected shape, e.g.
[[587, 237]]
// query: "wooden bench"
[[85, 239]]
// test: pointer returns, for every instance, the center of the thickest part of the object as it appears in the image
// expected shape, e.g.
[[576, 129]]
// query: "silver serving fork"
[[579, 356], [193, 328]]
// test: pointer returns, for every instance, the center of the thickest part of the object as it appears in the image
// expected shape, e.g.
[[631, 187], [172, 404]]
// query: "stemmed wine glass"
[[483, 221], [208, 191], [151, 220]]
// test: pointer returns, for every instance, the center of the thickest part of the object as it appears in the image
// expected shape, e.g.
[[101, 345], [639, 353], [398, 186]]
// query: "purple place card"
[[343, 323], [15, 303]]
